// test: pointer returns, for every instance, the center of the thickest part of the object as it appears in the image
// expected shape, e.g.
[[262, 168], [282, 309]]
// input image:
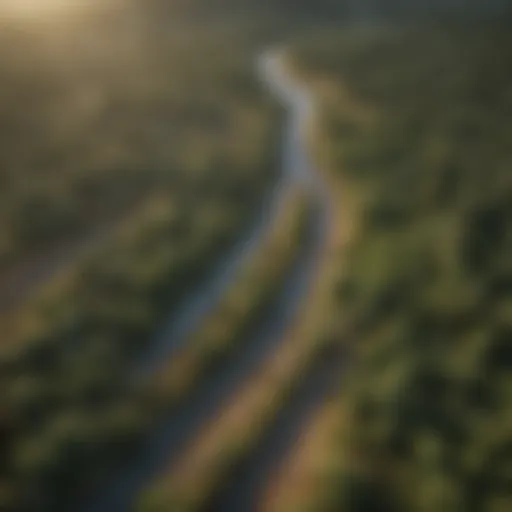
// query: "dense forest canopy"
[[142, 130], [421, 132]]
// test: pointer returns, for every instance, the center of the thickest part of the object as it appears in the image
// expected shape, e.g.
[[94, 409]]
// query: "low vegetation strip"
[[210, 460], [249, 298], [299, 485], [427, 286]]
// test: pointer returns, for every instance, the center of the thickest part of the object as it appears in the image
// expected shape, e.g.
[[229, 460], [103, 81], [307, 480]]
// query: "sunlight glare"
[[34, 9]]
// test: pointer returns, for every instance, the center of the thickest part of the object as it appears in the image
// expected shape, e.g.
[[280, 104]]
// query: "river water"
[[164, 444], [244, 490]]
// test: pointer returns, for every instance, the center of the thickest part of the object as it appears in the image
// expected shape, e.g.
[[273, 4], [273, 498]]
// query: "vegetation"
[[194, 482], [136, 146], [189, 149], [249, 298], [206, 468], [88, 131], [416, 121]]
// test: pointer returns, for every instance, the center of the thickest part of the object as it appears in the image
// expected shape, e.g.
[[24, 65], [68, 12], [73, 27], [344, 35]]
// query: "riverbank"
[[228, 464], [294, 484]]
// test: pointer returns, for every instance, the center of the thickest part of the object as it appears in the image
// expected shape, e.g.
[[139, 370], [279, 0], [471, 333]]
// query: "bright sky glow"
[[34, 9]]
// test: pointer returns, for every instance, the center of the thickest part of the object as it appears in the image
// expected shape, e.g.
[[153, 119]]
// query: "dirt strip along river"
[[244, 490], [164, 444]]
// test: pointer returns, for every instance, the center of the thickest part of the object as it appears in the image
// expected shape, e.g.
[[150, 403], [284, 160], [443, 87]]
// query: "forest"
[[214, 298], [416, 123], [125, 178]]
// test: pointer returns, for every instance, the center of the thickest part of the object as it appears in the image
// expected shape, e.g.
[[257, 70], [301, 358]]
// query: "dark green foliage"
[[428, 281]]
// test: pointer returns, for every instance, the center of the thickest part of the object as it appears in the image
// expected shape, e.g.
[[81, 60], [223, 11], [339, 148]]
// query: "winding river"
[[243, 492], [164, 444]]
